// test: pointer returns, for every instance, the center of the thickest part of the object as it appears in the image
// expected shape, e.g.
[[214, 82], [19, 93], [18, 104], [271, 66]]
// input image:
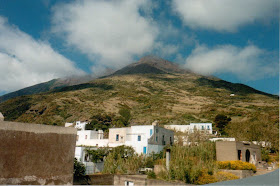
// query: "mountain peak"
[[151, 64], [150, 58]]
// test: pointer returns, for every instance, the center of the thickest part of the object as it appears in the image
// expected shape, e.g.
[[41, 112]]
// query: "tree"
[[221, 121], [79, 170], [125, 115], [100, 122]]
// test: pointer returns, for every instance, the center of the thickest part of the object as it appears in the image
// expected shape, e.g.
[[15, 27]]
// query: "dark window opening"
[[117, 137], [239, 155], [247, 155]]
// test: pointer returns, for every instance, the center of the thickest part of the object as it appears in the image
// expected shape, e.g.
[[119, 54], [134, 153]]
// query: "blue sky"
[[235, 40]]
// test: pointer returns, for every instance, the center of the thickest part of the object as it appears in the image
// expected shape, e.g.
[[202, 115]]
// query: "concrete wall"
[[92, 168], [36, 154], [255, 151], [226, 150], [240, 173], [110, 179], [141, 180], [157, 137], [101, 179], [154, 148]]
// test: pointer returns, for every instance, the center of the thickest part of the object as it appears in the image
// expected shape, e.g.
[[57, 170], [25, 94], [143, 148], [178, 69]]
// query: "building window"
[[170, 140], [156, 130], [144, 150], [163, 141], [151, 132], [208, 127], [86, 137], [117, 137], [156, 138], [202, 127], [139, 138]]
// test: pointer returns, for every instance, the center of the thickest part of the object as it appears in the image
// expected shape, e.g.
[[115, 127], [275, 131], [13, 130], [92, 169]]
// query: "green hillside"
[[171, 98]]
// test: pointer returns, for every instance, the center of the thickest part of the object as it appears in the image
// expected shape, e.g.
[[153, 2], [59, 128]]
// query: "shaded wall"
[[36, 154], [233, 150]]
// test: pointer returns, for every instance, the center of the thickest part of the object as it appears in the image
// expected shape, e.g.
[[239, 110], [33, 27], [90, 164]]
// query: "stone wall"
[[240, 173], [101, 179], [36, 154], [110, 179]]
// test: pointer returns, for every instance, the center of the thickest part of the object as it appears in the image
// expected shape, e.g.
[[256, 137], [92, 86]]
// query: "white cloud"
[[25, 61], [111, 31], [224, 15], [248, 63]]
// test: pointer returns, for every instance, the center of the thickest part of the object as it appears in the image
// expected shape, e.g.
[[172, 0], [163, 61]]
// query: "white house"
[[144, 139], [203, 127], [222, 139], [80, 125]]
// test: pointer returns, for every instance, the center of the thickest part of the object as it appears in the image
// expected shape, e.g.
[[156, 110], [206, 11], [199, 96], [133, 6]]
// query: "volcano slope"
[[151, 90]]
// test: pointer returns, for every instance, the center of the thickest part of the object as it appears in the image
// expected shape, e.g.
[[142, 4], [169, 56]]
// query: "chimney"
[[1, 117]]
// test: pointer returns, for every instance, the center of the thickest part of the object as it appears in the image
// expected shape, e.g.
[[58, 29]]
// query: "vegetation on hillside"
[[144, 98]]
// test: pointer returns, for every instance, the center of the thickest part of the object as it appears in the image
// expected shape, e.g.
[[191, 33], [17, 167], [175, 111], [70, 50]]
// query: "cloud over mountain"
[[224, 15], [25, 61], [247, 63], [109, 32]]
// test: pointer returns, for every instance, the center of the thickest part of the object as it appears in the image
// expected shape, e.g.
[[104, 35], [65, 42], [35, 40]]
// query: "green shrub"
[[151, 175], [236, 165], [225, 176], [79, 171], [205, 178], [187, 162]]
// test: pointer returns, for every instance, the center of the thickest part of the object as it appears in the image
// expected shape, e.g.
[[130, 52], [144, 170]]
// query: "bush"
[[236, 165], [205, 178], [225, 176], [151, 175], [187, 162], [79, 171], [123, 160]]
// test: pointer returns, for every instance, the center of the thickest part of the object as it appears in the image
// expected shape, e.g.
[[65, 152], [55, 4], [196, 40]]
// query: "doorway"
[[247, 155]]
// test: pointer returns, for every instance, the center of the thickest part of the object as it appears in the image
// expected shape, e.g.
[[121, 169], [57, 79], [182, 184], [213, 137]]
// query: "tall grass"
[[189, 162]]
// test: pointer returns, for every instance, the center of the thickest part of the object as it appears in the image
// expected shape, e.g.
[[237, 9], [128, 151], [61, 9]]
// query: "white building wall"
[[144, 131], [180, 128], [81, 125], [222, 139], [207, 127], [79, 153]]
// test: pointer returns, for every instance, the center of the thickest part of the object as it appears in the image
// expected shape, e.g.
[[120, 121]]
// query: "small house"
[[236, 150]]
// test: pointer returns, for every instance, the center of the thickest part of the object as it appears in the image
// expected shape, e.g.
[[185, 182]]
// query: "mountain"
[[47, 86], [148, 90], [151, 64], [152, 89]]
